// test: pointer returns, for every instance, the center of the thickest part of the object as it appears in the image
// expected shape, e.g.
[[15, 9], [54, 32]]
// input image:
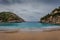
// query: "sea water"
[[27, 26]]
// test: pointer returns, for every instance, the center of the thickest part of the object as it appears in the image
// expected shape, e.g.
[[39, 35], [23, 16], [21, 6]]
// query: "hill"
[[10, 17], [53, 17]]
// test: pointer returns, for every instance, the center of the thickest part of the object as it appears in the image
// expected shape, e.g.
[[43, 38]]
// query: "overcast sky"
[[29, 10]]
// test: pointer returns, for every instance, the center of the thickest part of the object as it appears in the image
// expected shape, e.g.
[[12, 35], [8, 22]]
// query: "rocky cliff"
[[10, 17], [53, 17]]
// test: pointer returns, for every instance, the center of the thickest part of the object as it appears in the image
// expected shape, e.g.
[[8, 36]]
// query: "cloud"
[[23, 1], [10, 1], [29, 10], [48, 1]]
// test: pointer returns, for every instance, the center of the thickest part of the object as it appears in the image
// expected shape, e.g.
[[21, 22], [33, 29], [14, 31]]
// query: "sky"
[[29, 10]]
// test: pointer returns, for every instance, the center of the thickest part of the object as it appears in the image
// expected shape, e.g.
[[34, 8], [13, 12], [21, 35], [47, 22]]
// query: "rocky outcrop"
[[53, 17], [10, 17]]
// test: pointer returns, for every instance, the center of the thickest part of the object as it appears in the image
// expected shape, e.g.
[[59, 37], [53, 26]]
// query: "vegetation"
[[48, 15], [53, 17], [9, 16]]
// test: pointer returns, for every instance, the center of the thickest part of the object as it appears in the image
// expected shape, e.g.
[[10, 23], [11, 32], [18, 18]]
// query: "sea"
[[28, 26]]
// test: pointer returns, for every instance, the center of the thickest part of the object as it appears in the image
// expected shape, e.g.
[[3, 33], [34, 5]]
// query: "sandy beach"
[[34, 35]]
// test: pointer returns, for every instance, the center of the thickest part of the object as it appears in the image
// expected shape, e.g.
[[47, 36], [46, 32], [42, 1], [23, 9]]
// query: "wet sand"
[[34, 35]]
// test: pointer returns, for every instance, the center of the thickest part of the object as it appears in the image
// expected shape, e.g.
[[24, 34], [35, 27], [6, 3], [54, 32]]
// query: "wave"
[[50, 28], [40, 29]]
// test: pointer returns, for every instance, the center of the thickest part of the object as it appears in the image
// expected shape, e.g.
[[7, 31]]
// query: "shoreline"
[[35, 35], [30, 35], [8, 30]]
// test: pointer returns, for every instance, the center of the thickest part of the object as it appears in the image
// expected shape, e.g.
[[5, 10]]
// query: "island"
[[10, 17], [53, 17]]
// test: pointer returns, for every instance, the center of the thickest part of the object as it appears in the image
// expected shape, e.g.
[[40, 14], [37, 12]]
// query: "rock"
[[10, 17], [53, 17]]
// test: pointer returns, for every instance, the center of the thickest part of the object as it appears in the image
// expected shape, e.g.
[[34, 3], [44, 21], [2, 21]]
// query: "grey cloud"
[[10, 1], [29, 1], [29, 10]]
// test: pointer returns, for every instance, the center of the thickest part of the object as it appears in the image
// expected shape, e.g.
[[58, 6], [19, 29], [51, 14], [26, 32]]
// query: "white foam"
[[40, 29], [29, 29]]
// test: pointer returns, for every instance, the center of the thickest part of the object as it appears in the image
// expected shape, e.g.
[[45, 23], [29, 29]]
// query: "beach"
[[31, 35]]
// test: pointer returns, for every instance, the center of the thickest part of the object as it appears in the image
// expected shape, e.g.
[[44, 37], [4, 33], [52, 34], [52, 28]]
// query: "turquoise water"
[[27, 25]]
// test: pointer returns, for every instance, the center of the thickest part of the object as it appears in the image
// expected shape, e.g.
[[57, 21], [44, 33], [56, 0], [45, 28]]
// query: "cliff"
[[53, 17], [10, 17]]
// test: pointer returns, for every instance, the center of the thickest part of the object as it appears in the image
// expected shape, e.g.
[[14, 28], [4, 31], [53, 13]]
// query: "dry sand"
[[35, 35]]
